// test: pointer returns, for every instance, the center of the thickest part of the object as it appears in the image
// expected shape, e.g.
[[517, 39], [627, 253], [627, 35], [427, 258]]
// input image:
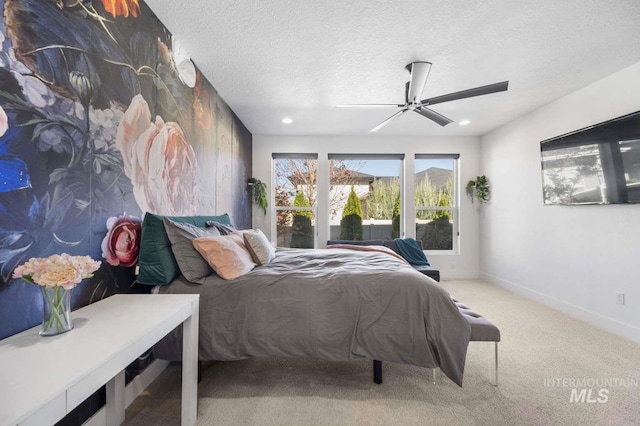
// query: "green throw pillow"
[[157, 264]]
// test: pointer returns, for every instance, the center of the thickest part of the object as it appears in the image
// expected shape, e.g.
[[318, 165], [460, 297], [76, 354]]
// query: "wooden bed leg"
[[377, 372], [199, 371]]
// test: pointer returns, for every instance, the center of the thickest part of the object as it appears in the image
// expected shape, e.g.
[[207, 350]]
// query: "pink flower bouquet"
[[58, 270], [56, 275]]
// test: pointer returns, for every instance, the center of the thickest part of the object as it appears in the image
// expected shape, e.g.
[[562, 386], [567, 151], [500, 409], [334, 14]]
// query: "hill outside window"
[[435, 197]]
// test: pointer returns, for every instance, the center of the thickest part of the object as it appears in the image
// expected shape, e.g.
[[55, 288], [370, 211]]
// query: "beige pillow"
[[225, 255], [258, 245]]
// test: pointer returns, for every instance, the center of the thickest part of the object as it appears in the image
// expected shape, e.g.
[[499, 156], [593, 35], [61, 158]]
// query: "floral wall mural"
[[103, 116]]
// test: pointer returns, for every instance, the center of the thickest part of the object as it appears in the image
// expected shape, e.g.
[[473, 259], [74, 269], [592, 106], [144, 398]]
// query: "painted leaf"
[[52, 42], [9, 246], [173, 97]]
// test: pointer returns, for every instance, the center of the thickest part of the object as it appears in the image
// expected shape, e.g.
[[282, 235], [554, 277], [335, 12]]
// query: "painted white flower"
[[36, 92], [16, 65], [33, 88], [4, 121], [184, 66], [72, 108], [104, 126], [5, 61]]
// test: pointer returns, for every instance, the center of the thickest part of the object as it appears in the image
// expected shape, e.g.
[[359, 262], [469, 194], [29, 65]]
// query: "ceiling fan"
[[413, 92]]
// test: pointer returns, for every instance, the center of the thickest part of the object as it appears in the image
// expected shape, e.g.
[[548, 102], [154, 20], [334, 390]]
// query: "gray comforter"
[[334, 304]]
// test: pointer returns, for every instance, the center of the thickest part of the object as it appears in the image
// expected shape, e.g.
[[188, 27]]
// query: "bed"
[[337, 304]]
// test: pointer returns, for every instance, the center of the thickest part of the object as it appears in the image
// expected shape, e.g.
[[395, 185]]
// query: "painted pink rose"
[[121, 245], [4, 122], [159, 161]]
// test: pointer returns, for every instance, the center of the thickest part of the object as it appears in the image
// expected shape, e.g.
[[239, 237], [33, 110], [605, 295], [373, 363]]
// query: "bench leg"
[[495, 371], [377, 372]]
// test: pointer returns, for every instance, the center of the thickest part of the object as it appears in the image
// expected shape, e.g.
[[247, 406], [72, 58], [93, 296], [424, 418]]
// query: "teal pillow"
[[157, 263]]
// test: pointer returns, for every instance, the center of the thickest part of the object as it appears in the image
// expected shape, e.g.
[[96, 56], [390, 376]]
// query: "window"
[[296, 177], [435, 201], [364, 196]]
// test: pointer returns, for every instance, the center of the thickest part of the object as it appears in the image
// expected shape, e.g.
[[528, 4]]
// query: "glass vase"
[[56, 313]]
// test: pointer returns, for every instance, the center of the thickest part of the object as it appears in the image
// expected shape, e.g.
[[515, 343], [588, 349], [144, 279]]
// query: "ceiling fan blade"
[[369, 106], [469, 93], [406, 93], [434, 116], [419, 74], [388, 120]]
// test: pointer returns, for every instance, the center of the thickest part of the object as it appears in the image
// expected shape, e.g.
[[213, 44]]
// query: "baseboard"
[[458, 274], [612, 325], [132, 390]]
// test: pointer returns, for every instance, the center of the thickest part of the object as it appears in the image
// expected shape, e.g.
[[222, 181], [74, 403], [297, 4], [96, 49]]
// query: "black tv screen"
[[599, 164]]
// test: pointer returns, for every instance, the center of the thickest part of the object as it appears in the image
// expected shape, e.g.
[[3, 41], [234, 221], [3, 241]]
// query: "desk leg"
[[114, 410], [190, 367]]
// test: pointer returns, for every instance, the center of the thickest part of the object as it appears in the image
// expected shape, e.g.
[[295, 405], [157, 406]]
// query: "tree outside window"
[[295, 199], [376, 185], [351, 222], [434, 199]]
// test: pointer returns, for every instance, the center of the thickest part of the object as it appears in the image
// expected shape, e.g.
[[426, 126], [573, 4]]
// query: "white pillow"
[[258, 245]]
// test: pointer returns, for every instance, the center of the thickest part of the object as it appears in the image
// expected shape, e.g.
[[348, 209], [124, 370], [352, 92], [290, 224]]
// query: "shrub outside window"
[[435, 202], [296, 177], [364, 196]]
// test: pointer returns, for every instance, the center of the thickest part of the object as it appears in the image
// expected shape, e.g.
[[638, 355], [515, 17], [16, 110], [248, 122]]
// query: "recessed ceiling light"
[[287, 120], [464, 122]]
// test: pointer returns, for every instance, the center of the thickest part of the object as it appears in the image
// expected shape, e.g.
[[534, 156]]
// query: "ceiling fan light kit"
[[413, 92]]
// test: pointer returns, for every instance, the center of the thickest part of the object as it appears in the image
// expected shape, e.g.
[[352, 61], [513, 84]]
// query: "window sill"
[[441, 253]]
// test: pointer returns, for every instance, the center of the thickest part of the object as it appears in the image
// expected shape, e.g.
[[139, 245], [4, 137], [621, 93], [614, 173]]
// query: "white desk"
[[44, 378]]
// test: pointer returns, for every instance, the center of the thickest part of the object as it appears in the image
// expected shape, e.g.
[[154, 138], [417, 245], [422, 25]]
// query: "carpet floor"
[[543, 355]]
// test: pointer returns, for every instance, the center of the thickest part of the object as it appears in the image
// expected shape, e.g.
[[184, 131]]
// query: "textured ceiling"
[[275, 58]]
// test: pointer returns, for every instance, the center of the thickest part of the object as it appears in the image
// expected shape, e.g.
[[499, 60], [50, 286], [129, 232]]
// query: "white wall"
[[574, 258], [464, 264]]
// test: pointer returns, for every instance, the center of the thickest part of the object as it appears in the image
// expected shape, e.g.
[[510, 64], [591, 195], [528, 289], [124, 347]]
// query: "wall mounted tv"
[[595, 165]]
